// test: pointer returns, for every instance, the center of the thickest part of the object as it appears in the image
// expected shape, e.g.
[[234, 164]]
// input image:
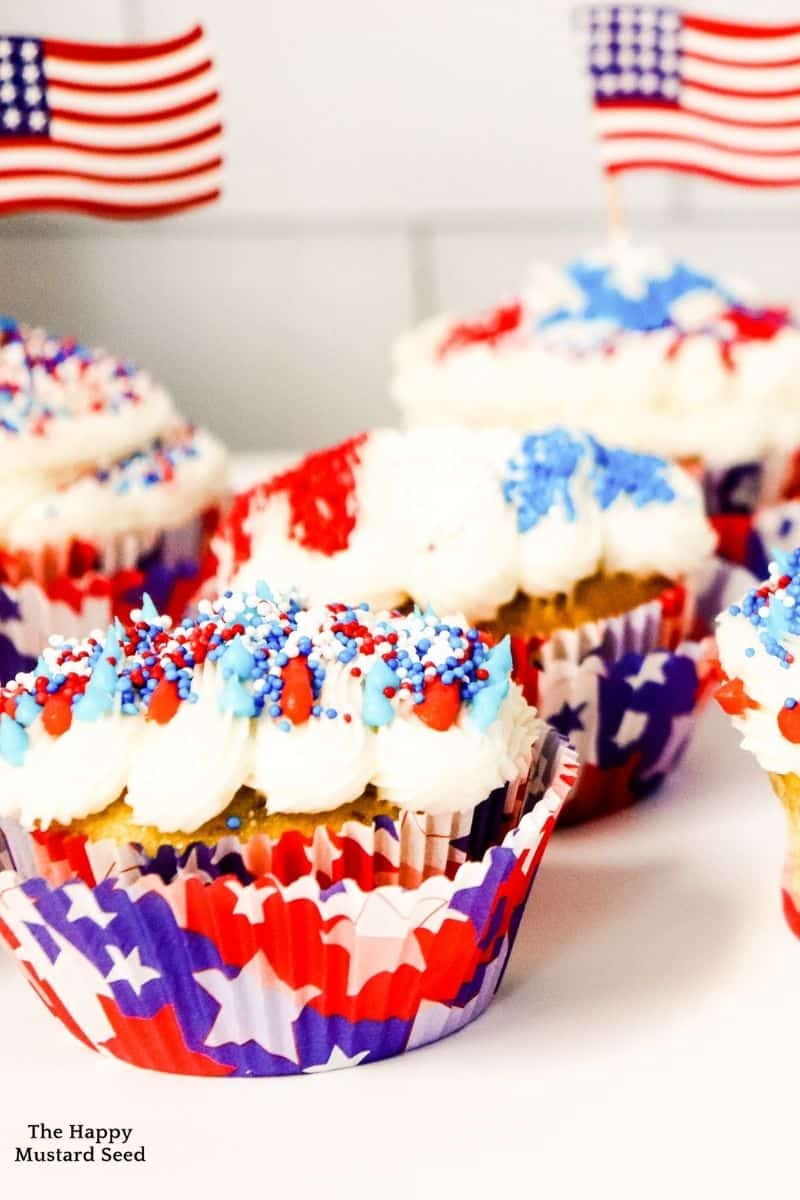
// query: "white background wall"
[[384, 160]]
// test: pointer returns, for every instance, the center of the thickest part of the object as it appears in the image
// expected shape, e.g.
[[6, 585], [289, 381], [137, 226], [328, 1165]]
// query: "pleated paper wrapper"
[[76, 592], [625, 691], [213, 976], [747, 504]]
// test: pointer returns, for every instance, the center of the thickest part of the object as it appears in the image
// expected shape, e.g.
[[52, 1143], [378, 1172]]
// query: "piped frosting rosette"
[[104, 492], [643, 350], [759, 649], [585, 555], [263, 737]]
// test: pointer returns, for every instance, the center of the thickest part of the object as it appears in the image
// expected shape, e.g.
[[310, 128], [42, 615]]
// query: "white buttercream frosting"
[[159, 487], [464, 520], [308, 707], [759, 649], [91, 449], [627, 342]]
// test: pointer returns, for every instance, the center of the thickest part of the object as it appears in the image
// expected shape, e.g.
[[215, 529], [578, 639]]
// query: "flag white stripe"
[[147, 70], [736, 109], [109, 193], [656, 121], [150, 134], [741, 49], [746, 79], [133, 103], [53, 158], [630, 150]]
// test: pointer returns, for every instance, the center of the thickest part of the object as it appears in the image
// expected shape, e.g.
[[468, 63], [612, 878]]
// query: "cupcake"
[[271, 838], [586, 556], [643, 350], [759, 640], [105, 493]]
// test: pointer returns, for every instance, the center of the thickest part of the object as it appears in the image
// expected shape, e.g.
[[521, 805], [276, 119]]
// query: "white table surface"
[[645, 1043]]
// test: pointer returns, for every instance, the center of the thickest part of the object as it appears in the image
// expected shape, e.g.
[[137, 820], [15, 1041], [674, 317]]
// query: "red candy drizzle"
[[491, 329], [745, 325], [321, 491]]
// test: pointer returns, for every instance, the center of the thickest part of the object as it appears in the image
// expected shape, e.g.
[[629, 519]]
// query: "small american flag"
[[685, 93], [110, 130]]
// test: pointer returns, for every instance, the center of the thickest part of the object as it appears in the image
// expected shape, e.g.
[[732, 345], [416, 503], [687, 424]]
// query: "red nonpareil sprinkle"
[[491, 329]]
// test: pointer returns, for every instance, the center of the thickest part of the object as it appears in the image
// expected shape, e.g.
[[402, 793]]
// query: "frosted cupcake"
[[257, 718], [271, 839], [641, 349], [105, 492], [585, 555], [759, 648]]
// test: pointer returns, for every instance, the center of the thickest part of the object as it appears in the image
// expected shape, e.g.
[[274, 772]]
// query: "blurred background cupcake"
[[347, 805], [105, 492], [645, 351], [587, 556], [759, 648]]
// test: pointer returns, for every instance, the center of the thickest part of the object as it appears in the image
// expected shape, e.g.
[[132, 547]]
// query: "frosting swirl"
[[306, 706], [639, 348], [63, 404], [91, 449], [464, 520]]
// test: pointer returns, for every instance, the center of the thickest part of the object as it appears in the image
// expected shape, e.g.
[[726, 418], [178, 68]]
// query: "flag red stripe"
[[120, 88], [133, 52], [696, 112], [645, 164], [629, 135], [94, 209], [123, 151], [733, 30], [95, 177], [761, 64], [146, 118], [740, 93]]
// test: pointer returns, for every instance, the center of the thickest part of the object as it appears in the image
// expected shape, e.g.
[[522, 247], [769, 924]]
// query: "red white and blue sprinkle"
[[272, 656]]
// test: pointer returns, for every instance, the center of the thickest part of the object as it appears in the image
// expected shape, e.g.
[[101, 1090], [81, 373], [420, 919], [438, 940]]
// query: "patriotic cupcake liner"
[[386, 852], [50, 592], [625, 691], [217, 977], [746, 504]]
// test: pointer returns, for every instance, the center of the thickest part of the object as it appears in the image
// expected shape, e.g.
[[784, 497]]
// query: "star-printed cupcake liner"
[[402, 852], [217, 977], [747, 505], [72, 595], [625, 691]]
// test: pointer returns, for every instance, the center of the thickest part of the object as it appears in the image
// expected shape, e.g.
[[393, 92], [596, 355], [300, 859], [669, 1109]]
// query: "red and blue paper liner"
[[745, 504], [217, 977], [75, 593], [625, 691], [401, 852]]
